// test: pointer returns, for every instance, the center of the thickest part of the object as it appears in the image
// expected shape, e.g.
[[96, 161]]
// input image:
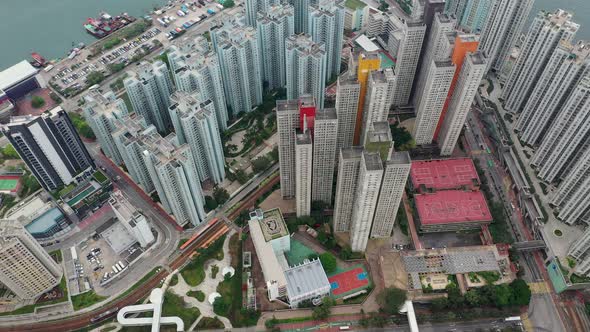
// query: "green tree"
[[328, 262], [37, 102], [210, 203], [220, 195], [391, 299], [221, 306], [116, 67], [274, 154], [241, 176], [440, 303], [401, 137], [521, 292], [260, 164], [502, 295], [323, 310], [345, 253], [228, 3], [473, 298], [94, 77], [9, 152], [383, 6]]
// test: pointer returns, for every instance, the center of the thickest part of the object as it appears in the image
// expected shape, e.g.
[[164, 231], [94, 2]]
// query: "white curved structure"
[[156, 299], [212, 297], [408, 309]]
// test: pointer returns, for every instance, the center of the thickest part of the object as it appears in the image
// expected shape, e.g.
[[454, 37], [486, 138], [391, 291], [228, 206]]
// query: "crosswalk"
[[539, 287]]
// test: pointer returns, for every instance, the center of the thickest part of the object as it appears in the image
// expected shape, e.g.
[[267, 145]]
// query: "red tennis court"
[[348, 281]]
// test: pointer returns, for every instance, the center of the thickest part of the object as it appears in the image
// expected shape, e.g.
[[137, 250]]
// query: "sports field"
[[349, 282], [9, 183]]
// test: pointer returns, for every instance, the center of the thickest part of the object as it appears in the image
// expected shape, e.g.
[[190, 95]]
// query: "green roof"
[[100, 177], [355, 4], [381, 147]]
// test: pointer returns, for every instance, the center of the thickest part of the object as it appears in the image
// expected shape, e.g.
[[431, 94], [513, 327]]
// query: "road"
[[543, 311], [168, 254], [84, 319]]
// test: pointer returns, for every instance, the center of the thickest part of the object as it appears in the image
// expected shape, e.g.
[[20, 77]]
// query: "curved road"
[[139, 293]]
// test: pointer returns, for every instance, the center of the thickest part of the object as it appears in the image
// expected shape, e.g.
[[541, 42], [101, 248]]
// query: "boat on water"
[[38, 60], [106, 24]]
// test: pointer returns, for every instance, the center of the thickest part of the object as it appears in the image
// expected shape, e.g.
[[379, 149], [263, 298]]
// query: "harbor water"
[[51, 27]]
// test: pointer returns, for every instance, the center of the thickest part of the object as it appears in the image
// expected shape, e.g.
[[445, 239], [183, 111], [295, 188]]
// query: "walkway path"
[[208, 286]]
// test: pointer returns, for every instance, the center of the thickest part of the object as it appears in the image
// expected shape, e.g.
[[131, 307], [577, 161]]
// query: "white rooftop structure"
[[30, 208], [271, 268], [228, 269], [212, 297], [15, 74], [306, 281], [366, 43]]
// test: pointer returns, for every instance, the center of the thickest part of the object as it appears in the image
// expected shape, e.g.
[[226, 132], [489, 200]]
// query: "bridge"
[[529, 245]]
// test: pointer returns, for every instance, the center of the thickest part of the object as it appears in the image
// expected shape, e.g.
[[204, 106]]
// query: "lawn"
[[231, 290], [200, 296], [56, 255], [208, 323], [174, 280], [174, 305], [100, 177], [86, 299], [194, 272]]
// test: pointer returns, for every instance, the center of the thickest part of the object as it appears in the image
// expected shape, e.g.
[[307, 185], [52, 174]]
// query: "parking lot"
[[74, 76], [167, 24], [94, 263]]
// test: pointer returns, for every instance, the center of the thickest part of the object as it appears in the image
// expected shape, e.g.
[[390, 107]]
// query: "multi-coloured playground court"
[[349, 281], [9, 183]]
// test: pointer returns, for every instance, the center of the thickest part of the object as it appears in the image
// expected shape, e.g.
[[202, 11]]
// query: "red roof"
[[443, 173], [452, 206]]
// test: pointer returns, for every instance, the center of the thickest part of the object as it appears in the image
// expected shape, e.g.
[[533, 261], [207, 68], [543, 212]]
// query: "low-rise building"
[[42, 219], [292, 284], [134, 221], [451, 211], [425, 266]]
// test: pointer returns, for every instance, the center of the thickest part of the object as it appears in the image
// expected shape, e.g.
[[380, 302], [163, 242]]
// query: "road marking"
[[539, 287], [526, 322]]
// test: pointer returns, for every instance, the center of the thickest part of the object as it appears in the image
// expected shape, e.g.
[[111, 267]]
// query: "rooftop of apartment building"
[[24, 119], [187, 103], [287, 105], [121, 204], [303, 138], [399, 157], [326, 114], [275, 13], [561, 19], [373, 161], [444, 174], [304, 44], [477, 58], [581, 51], [273, 225], [452, 206], [354, 152]]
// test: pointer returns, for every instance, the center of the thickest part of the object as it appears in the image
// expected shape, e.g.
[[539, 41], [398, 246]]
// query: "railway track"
[[209, 236], [84, 320], [252, 198]]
